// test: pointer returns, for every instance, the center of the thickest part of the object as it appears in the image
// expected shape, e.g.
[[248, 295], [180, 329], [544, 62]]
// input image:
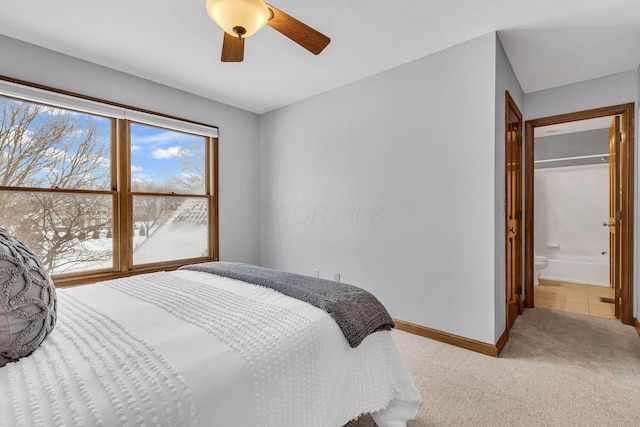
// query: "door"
[[615, 211], [513, 210]]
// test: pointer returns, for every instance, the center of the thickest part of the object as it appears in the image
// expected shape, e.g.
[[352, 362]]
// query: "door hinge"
[[519, 215], [618, 215], [519, 289], [519, 140], [619, 137], [618, 293]]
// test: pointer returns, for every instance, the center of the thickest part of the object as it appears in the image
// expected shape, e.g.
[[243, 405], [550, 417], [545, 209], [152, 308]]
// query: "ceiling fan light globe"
[[251, 15]]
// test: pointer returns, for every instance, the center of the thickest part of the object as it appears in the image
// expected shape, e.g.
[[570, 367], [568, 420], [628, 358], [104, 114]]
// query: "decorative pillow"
[[27, 300]]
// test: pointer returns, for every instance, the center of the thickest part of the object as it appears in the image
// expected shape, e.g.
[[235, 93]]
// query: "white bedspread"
[[190, 348]]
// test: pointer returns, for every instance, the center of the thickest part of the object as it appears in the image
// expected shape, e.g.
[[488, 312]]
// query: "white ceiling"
[[549, 42]]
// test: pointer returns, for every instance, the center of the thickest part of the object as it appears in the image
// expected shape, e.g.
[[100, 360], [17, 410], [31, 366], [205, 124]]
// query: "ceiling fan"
[[242, 18]]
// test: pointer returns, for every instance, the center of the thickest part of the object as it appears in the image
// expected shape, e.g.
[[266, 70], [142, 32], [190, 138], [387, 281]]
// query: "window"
[[97, 195], [168, 183]]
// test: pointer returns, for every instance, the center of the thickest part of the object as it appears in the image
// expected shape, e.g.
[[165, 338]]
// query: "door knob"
[[608, 224], [512, 230]]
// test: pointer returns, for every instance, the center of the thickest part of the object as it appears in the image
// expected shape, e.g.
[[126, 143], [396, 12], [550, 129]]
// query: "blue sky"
[[156, 153]]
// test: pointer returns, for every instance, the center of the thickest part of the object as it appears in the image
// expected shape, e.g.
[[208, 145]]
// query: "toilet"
[[539, 264]]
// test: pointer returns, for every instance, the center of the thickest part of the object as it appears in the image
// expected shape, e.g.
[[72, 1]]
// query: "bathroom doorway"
[[572, 192], [600, 165]]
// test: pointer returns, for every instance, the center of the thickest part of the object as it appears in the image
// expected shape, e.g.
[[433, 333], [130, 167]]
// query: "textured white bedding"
[[191, 348]]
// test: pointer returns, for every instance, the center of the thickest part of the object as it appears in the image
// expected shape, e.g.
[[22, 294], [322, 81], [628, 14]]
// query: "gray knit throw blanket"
[[356, 311]]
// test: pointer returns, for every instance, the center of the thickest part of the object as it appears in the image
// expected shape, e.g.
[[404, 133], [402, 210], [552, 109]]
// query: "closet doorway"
[[513, 209]]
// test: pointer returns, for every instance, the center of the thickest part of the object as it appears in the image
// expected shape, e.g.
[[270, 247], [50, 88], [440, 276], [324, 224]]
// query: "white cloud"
[[53, 111], [50, 170], [160, 137], [92, 158], [55, 154], [135, 148], [78, 133], [136, 168], [169, 153], [22, 140], [141, 178]]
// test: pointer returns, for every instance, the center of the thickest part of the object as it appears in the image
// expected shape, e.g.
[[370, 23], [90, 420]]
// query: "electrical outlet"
[[336, 277], [316, 272]]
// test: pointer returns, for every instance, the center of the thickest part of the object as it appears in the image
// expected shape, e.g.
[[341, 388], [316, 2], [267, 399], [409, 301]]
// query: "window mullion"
[[125, 229], [212, 192], [115, 198]]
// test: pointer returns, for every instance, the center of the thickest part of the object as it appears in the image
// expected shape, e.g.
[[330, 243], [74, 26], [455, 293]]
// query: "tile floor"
[[574, 298]]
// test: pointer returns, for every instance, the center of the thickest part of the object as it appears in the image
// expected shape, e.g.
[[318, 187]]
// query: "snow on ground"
[[184, 235]]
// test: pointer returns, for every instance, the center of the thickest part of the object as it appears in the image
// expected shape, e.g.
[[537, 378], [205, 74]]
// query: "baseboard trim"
[[445, 337], [637, 325], [501, 342]]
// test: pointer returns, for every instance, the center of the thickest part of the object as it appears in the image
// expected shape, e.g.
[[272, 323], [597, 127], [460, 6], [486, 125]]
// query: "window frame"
[[121, 117]]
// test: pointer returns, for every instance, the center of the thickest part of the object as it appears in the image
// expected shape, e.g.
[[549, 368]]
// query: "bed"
[[190, 347]]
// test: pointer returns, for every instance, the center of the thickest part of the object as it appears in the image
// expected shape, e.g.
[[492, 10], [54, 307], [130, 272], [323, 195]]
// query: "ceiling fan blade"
[[232, 49], [300, 33]]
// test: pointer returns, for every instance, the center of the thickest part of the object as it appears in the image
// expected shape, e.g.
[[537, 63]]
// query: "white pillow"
[[27, 300]]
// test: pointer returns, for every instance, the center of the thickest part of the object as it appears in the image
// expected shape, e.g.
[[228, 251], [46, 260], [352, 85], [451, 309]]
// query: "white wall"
[[572, 202], [391, 182], [610, 90], [239, 134], [505, 81]]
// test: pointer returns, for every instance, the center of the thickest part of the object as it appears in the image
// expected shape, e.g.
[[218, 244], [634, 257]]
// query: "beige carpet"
[[557, 369]]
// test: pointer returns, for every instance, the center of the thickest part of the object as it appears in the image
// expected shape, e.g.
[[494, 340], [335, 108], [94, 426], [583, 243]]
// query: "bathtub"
[[578, 269]]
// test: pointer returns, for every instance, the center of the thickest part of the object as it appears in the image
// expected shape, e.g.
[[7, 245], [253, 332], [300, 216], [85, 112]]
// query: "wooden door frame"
[[627, 127]]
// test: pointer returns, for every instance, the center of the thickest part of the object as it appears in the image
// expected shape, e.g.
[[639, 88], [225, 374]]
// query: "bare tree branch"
[[51, 148]]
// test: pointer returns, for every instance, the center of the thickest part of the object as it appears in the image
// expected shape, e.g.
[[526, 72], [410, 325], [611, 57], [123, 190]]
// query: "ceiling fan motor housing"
[[239, 31]]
